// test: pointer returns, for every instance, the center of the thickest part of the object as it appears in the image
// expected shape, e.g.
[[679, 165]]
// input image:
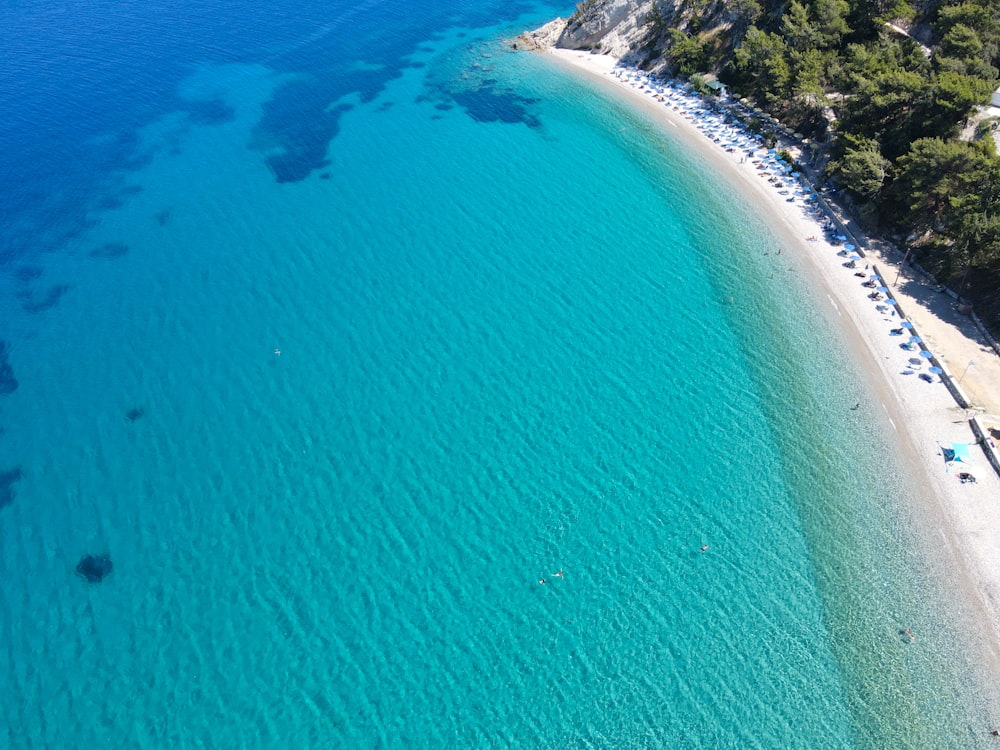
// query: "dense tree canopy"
[[941, 183], [762, 59], [861, 165], [892, 109]]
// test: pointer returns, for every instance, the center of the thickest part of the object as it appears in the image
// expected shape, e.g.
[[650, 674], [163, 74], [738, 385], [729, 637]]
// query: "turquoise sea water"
[[521, 332]]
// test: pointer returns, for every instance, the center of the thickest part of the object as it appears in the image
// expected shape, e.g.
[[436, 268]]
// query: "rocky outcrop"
[[543, 37], [614, 27], [639, 32]]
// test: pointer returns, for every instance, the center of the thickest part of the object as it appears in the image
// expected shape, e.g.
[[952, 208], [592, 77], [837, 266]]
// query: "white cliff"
[[619, 28]]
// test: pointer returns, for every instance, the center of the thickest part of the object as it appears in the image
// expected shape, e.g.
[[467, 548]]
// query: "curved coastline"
[[923, 416]]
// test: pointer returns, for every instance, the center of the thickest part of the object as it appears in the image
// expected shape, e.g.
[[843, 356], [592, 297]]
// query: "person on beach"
[[909, 634]]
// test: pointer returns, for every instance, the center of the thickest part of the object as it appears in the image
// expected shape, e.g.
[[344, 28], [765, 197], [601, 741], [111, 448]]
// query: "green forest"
[[890, 90]]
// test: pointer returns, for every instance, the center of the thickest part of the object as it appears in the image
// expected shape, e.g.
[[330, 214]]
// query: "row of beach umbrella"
[[923, 354], [720, 128]]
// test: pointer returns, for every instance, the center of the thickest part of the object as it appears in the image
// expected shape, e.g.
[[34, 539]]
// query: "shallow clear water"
[[520, 332]]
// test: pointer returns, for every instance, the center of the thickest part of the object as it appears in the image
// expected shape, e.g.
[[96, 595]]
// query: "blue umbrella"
[[935, 370], [926, 354], [849, 246], [916, 340], [883, 289], [890, 301], [906, 324], [855, 256]]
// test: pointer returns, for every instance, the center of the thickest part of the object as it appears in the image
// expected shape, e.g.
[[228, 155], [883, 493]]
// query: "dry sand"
[[923, 415]]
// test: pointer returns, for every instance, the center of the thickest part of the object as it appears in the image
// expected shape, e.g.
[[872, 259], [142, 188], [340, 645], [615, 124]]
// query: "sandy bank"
[[923, 414]]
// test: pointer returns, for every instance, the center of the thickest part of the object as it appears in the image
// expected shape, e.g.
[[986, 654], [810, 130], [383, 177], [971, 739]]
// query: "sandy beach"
[[921, 411]]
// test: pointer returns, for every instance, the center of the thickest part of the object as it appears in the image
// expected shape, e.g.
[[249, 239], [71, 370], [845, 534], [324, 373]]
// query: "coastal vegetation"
[[888, 95]]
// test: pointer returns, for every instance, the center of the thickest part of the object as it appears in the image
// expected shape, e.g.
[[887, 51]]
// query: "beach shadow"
[[940, 304]]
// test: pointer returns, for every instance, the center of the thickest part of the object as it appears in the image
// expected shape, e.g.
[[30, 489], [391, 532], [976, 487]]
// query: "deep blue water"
[[337, 328]]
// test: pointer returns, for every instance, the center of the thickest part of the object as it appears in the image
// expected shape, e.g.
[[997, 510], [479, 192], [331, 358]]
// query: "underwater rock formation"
[[8, 383], [95, 568], [7, 480], [109, 250]]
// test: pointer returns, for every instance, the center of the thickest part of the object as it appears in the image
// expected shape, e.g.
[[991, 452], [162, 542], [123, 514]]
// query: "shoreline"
[[922, 415]]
